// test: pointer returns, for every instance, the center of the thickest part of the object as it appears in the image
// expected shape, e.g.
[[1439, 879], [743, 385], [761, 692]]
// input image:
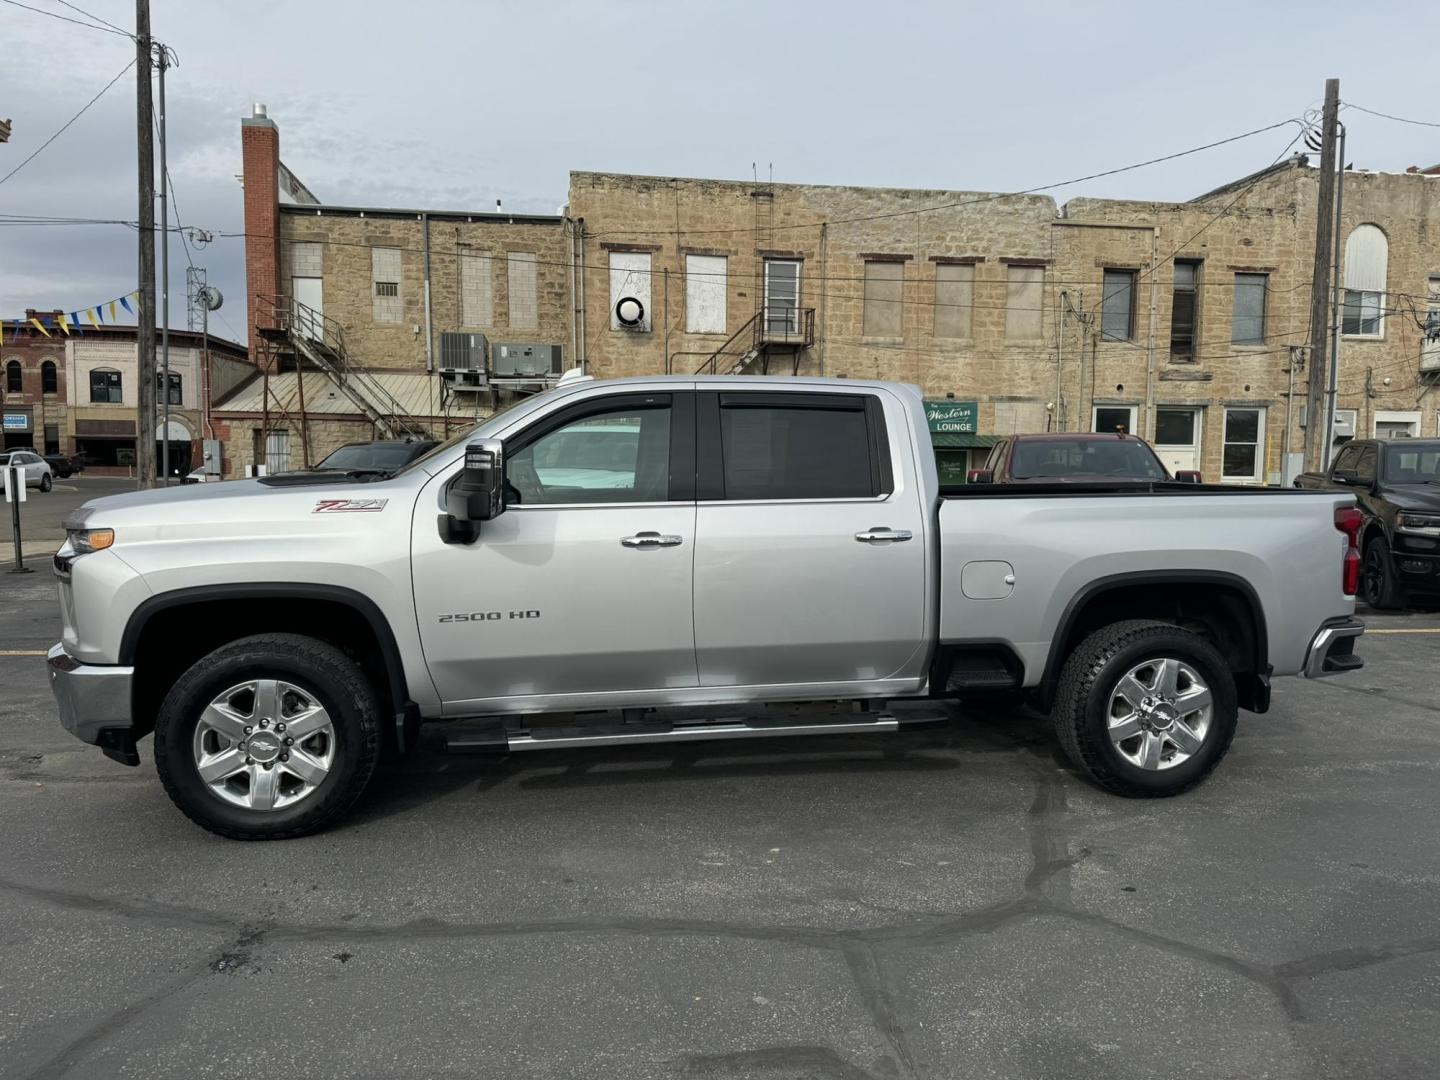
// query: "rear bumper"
[[93, 698], [1332, 651]]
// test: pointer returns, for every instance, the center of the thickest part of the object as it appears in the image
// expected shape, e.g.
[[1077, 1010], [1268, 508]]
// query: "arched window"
[[48, 383], [12, 377], [1367, 253]]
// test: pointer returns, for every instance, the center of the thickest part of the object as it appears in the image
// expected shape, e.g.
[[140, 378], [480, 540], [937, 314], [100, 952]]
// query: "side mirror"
[[980, 476], [1189, 476], [1345, 476], [478, 493]]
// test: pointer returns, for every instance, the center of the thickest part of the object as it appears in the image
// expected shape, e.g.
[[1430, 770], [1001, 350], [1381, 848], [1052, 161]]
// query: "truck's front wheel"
[[268, 737], [1145, 708]]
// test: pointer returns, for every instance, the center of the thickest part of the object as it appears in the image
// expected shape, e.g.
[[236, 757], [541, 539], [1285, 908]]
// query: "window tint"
[[785, 452], [1412, 465], [1346, 460], [1127, 458], [1365, 469], [611, 457]]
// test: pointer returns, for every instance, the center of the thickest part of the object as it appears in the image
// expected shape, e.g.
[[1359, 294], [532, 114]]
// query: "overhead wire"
[[1390, 116], [67, 123], [108, 28]]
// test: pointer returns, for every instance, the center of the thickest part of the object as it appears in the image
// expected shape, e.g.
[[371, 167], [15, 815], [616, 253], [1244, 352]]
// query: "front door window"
[[1113, 418], [782, 297]]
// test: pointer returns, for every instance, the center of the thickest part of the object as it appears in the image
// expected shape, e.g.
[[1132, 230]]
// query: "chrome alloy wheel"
[[264, 745], [1160, 713]]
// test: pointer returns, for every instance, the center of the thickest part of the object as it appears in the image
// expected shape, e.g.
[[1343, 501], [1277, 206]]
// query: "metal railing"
[[775, 324], [321, 340]]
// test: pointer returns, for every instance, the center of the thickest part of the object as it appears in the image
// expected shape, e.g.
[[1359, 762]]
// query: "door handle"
[[652, 540], [881, 534]]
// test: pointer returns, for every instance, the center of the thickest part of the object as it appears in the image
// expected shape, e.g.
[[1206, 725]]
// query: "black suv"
[[1397, 483]]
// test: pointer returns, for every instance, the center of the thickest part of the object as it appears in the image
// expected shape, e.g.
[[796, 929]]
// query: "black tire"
[[321, 670], [46, 483], [1082, 706], [1380, 583]]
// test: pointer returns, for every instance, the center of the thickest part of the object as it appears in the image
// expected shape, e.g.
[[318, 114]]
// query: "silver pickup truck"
[[655, 560]]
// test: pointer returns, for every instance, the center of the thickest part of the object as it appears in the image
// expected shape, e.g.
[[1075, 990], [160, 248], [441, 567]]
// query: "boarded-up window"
[[884, 295], [385, 280], [476, 291], [954, 300], [1247, 327], [524, 297], [1367, 254], [1117, 305], [629, 290], [705, 294], [306, 259], [1024, 301]]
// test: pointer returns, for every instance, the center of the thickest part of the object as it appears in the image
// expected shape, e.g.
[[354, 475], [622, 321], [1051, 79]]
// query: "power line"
[[96, 18], [67, 123], [1389, 116], [966, 202], [107, 28]]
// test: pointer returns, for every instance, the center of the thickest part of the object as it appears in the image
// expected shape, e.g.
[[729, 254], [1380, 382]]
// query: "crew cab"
[[1397, 485], [651, 558], [1074, 456]]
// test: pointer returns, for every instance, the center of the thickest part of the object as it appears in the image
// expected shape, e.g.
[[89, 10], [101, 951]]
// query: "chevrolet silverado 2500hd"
[[683, 545]]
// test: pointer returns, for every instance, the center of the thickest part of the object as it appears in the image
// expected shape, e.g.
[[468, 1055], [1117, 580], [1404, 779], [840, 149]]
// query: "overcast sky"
[[448, 104]]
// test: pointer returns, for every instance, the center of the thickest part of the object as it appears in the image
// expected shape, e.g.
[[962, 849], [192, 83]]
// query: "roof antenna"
[[754, 173]]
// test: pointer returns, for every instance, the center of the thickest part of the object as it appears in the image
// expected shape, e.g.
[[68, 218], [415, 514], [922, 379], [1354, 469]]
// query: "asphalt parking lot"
[[954, 903], [43, 514]]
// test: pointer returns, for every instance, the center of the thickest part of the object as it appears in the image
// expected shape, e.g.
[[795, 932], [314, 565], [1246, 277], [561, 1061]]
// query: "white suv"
[[37, 469]]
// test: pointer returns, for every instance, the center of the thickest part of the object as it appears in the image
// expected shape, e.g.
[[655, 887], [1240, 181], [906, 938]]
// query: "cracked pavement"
[[949, 903]]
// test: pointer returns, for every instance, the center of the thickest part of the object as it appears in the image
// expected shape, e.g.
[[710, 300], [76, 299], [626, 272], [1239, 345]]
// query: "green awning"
[[945, 440]]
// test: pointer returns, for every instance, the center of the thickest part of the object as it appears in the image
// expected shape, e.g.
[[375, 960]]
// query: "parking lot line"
[[22, 652], [1413, 630]]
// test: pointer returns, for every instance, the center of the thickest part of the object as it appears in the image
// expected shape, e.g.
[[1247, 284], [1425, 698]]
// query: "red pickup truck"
[[1074, 457]]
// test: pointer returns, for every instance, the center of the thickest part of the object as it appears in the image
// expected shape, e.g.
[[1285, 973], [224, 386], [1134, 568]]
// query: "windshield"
[[1085, 457], [387, 456], [1415, 463]]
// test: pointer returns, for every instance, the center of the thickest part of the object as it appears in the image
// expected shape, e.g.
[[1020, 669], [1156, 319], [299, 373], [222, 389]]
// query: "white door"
[[782, 297], [309, 297], [1177, 438]]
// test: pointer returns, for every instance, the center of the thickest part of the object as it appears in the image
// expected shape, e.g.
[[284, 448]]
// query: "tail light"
[[1348, 520]]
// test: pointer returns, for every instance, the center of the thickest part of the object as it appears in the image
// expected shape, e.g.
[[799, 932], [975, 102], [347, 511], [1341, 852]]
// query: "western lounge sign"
[[956, 417]]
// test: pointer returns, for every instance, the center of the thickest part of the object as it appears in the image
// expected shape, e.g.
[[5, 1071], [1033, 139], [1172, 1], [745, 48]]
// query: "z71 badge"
[[350, 506]]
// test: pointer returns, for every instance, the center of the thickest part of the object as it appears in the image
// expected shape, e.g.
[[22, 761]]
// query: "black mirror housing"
[[478, 493]]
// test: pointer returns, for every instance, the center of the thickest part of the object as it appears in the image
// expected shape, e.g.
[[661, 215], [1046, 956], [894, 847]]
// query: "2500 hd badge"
[[486, 616]]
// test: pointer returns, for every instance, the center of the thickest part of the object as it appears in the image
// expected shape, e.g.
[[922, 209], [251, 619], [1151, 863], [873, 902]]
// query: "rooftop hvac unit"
[[525, 361], [463, 352]]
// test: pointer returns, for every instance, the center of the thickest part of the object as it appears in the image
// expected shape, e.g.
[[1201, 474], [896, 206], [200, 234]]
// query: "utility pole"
[[1337, 305], [144, 138], [1315, 434], [162, 61]]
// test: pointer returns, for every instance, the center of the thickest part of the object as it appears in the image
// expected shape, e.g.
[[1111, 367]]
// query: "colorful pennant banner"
[[71, 323]]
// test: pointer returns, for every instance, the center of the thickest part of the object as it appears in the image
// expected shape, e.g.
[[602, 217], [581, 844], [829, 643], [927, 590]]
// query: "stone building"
[[79, 393], [1183, 322], [382, 322]]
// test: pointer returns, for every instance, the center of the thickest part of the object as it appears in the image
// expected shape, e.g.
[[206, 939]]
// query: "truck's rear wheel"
[[268, 737], [1145, 708]]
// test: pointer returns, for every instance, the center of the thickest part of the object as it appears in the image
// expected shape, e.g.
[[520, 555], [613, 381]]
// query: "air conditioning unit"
[[521, 360], [463, 352]]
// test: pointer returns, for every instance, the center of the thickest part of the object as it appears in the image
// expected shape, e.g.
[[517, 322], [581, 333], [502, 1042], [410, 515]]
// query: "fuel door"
[[987, 580]]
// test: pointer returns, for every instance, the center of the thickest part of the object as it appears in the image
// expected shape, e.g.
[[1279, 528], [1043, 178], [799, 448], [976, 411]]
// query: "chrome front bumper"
[[92, 697], [1332, 652]]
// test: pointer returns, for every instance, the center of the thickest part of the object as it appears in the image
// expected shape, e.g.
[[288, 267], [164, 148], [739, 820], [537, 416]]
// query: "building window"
[[277, 451], [1117, 305], [385, 276], [954, 299], [1367, 253], [1024, 302], [174, 397], [629, 290], [705, 294], [52, 438], [1243, 457], [477, 295], [12, 377], [1108, 418], [105, 387], [1184, 311], [884, 311], [1248, 323], [524, 297], [49, 382]]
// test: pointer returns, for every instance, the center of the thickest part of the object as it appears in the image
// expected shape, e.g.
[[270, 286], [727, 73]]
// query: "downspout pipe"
[[429, 333]]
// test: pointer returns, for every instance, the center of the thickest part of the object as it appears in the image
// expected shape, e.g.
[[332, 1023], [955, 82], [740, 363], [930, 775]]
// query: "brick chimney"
[[260, 155]]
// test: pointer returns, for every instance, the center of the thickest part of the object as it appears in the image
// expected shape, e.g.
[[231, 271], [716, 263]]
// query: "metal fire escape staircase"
[[769, 333], [319, 341]]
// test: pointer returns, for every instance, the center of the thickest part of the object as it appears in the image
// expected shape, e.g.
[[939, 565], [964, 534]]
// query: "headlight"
[[84, 541], [1418, 521]]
